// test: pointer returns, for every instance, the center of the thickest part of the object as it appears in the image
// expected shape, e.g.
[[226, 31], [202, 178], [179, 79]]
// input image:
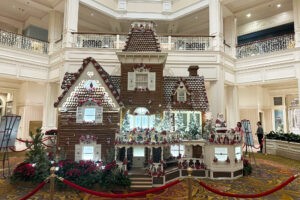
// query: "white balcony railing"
[[266, 46], [14, 40], [113, 41]]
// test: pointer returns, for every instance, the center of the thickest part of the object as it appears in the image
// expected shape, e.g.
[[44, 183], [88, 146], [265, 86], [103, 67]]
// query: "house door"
[[138, 157], [197, 151]]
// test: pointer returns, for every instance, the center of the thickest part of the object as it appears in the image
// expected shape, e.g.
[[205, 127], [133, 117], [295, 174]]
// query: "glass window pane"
[[144, 121], [221, 150], [184, 119], [88, 153], [138, 152], [89, 114], [238, 154], [152, 121], [221, 157], [138, 121], [131, 121]]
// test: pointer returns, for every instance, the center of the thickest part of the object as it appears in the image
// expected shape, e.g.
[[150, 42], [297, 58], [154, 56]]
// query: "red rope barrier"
[[44, 140], [34, 191], [119, 195], [260, 144], [248, 195], [25, 141]]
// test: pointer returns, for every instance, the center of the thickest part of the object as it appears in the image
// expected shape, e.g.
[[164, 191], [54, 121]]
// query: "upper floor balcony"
[[167, 43]]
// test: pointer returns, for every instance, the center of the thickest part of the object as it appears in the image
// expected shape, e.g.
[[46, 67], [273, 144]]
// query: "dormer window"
[[141, 79], [181, 92], [181, 96], [89, 114]]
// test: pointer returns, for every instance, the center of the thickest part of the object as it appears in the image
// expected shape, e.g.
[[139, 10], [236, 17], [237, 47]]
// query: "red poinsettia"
[[215, 159], [228, 160]]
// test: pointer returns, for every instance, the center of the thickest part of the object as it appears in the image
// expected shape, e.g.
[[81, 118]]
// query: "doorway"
[[197, 151]]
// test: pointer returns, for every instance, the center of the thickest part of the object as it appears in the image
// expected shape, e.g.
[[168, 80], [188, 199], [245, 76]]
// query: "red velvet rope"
[[260, 144], [34, 191], [254, 146], [248, 195], [45, 139], [119, 195]]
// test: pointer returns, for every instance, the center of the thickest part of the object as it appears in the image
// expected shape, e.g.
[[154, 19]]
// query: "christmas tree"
[[179, 123], [157, 123], [208, 128], [166, 125], [126, 123], [194, 128]]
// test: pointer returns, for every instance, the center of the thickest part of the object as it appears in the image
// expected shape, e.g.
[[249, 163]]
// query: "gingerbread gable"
[[90, 83]]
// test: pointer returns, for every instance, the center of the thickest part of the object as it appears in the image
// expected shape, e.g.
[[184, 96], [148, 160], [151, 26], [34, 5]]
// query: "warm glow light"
[[248, 15], [278, 5]]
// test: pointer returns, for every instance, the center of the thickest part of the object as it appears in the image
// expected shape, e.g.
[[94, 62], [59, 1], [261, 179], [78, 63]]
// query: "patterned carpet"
[[270, 172]]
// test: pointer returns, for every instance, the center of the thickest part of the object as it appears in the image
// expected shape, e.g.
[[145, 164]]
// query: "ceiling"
[[91, 20], [259, 9]]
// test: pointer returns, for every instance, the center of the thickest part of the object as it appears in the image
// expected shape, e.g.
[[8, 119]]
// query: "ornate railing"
[[167, 42], [196, 163], [18, 41], [266, 46], [147, 138]]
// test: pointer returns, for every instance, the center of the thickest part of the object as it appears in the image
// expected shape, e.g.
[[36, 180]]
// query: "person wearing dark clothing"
[[260, 135]]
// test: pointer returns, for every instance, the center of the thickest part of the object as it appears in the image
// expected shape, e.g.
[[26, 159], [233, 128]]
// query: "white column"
[[232, 106], [49, 112], [296, 9], [217, 104], [55, 26], [70, 21], [230, 34], [216, 24]]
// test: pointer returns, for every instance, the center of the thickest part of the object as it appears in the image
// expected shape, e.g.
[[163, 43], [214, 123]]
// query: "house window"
[[138, 152], [176, 150], [238, 154], [141, 80], [89, 114], [181, 96], [87, 152], [141, 119], [221, 153]]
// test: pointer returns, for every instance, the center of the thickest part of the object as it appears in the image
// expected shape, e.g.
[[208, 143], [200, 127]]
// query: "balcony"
[[171, 43], [17, 41], [266, 46]]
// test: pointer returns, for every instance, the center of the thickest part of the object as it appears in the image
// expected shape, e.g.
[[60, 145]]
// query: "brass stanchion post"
[[190, 187], [52, 181]]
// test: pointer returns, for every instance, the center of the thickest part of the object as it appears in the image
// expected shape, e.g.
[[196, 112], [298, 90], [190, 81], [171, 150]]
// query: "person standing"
[[260, 135], [239, 128]]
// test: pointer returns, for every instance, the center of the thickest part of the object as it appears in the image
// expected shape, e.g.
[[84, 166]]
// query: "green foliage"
[[126, 123], [114, 178], [290, 137], [247, 170], [179, 123], [208, 128], [37, 158], [194, 126], [110, 156]]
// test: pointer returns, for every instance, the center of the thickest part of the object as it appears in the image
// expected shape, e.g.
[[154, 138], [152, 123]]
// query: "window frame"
[[145, 82], [186, 115], [180, 150], [217, 155], [238, 155], [82, 152], [133, 119], [84, 114]]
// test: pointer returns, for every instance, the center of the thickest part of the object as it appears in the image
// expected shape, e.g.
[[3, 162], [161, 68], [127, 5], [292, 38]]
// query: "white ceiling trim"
[[150, 16]]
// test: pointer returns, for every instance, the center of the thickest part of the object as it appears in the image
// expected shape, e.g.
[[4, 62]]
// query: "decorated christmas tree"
[[194, 128], [179, 123], [157, 123], [166, 124], [126, 123], [208, 128]]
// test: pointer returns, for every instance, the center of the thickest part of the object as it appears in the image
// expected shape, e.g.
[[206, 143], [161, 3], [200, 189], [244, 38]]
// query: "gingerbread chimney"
[[193, 70]]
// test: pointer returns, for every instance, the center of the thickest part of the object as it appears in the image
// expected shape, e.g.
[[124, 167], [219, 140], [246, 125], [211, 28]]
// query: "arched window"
[[141, 118]]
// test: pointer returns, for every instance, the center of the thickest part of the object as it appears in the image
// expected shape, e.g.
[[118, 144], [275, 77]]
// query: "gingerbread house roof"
[[82, 94], [196, 87], [142, 39]]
